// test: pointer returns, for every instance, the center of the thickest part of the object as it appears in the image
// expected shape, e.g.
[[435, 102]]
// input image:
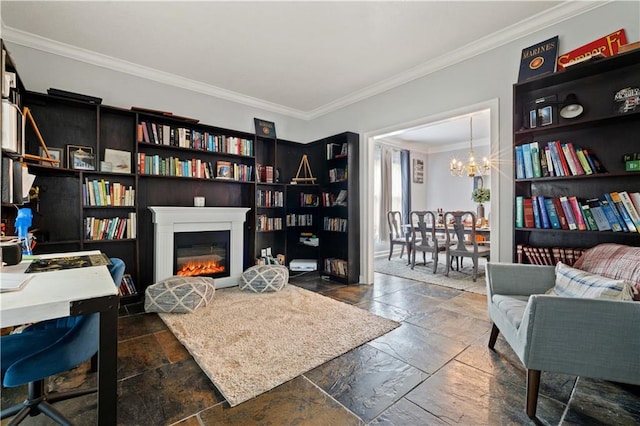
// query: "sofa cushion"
[[615, 261], [512, 307], [572, 282], [179, 294]]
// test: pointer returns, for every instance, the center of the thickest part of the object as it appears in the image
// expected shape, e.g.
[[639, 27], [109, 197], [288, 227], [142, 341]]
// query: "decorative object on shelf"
[[80, 157], [106, 166], [27, 115], [265, 129], [120, 160], [470, 169], [418, 171], [54, 154], [305, 168], [541, 112], [570, 107], [539, 59], [198, 201], [481, 195], [627, 100], [605, 46]]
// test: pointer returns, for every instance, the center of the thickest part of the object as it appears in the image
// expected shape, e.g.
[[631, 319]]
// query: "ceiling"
[[301, 59]]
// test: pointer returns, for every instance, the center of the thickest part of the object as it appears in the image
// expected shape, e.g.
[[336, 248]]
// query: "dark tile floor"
[[435, 369]]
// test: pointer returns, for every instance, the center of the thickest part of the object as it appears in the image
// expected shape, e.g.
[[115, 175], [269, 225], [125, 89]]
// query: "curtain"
[[405, 165], [385, 191]]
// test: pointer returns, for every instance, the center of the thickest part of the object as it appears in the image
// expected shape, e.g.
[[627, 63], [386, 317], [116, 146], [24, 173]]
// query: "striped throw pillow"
[[572, 282]]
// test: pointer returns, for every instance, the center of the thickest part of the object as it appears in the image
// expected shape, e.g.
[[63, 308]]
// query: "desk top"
[[49, 294]]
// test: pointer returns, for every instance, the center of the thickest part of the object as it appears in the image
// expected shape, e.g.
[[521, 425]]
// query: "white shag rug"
[[460, 280], [248, 343]]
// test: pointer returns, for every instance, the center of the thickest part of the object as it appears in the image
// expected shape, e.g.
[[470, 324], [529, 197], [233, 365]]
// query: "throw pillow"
[[615, 261], [179, 294], [572, 282]]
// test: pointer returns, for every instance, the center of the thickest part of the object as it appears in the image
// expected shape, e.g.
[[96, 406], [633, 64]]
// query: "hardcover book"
[[553, 215], [605, 46], [539, 59], [616, 226]]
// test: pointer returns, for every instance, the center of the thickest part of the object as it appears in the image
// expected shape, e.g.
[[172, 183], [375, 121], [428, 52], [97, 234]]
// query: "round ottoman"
[[264, 278], [179, 294]]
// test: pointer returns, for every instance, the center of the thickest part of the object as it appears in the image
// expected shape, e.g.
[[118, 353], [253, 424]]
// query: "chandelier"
[[471, 168]]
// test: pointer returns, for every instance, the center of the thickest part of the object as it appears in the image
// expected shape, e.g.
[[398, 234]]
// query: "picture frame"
[[55, 153], [418, 170], [545, 115], [120, 160], [264, 128], [80, 157], [223, 170]]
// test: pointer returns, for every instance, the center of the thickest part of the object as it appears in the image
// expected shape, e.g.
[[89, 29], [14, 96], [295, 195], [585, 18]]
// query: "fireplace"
[[196, 223], [201, 254]]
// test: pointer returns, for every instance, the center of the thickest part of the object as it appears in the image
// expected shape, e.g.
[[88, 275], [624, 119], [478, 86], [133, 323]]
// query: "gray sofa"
[[595, 338]]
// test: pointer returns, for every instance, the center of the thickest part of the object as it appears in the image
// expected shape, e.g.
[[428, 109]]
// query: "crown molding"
[[46, 45], [555, 15]]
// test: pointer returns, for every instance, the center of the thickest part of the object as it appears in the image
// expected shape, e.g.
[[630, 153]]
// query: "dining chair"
[[423, 237], [397, 233], [457, 245], [47, 348]]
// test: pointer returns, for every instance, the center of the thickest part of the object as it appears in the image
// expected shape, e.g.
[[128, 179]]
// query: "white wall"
[[449, 192], [477, 80]]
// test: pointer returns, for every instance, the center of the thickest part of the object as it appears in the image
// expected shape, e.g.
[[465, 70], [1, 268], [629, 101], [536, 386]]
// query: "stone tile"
[[171, 346], [598, 402], [189, 421], [165, 395], [504, 363], [421, 348], [468, 304], [460, 394], [410, 301], [296, 402], [384, 310], [139, 325], [140, 354], [366, 381], [351, 293], [460, 327], [406, 413], [434, 290]]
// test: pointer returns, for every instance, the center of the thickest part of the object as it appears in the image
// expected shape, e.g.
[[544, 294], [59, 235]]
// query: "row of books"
[[555, 159], [309, 200], [163, 134], [266, 223], [193, 168], [336, 266], [114, 228], [337, 175], [618, 212], [632, 161], [331, 200], [233, 171], [127, 286], [269, 198], [336, 224], [335, 150], [265, 173], [104, 193], [547, 255], [299, 219]]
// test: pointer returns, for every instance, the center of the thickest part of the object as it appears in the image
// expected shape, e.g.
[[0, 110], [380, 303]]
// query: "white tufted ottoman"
[[179, 294], [264, 278]]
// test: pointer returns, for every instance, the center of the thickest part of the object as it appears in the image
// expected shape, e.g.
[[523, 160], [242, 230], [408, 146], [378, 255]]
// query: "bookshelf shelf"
[[602, 131]]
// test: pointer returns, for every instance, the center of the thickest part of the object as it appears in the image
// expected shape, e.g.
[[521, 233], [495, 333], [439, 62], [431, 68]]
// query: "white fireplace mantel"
[[169, 220]]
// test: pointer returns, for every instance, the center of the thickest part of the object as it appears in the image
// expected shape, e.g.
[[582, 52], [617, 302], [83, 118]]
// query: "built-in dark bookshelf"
[[602, 130]]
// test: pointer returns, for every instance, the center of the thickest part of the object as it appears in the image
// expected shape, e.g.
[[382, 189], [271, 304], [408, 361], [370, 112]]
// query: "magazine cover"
[[68, 262]]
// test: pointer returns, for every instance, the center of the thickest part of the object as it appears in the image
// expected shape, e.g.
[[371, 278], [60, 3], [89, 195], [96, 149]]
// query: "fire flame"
[[192, 269]]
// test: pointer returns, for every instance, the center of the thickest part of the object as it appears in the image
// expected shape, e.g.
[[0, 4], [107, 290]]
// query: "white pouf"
[[264, 278], [179, 294]]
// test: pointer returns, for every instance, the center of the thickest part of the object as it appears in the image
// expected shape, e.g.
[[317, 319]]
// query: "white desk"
[[70, 292]]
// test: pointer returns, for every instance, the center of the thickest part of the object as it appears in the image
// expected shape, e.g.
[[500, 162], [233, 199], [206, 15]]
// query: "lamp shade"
[[571, 108]]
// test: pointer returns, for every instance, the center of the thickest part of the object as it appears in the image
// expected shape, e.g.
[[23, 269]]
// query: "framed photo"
[[264, 128], [223, 170], [55, 153], [80, 157], [120, 160], [478, 182], [533, 118], [418, 171], [545, 115]]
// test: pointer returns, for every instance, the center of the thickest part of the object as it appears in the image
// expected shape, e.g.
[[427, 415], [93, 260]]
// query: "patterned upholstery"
[[264, 278], [615, 261], [179, 294]]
